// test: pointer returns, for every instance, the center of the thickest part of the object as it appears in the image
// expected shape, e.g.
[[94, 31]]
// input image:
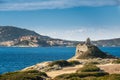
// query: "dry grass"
[[111, 68], [104, 64], [65, 70]]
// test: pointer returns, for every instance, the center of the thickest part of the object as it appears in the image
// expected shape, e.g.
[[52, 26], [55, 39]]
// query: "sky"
[[64, 19]]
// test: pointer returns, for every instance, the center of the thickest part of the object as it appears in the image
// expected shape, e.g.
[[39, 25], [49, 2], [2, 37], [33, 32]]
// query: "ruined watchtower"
[[88, 50], [88, 42]]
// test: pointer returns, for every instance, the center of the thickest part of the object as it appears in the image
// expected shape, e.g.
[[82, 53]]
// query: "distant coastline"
[[18, 37]]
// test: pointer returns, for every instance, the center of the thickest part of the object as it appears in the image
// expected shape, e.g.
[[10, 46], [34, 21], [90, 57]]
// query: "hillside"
[[10, 33], [109, 42], [13, 36]]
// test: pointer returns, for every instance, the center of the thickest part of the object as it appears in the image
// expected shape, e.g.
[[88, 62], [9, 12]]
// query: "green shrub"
[[32, 71], [26, 75], [74, 62], [110, 77], [88, 68], [116, 61], [62, 63], [10, 73], [80, 75], [36, 71], [88, 76], [93, 62]]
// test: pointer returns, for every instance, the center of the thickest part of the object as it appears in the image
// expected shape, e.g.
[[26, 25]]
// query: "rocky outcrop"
[[88, 50]]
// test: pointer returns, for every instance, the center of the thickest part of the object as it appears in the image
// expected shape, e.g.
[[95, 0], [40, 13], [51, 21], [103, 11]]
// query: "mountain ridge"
[[14, 36], [12, 32]]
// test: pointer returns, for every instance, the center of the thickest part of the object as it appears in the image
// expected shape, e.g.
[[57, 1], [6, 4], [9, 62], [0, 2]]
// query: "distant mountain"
[[13, 36], [108, 42], [10, 33]]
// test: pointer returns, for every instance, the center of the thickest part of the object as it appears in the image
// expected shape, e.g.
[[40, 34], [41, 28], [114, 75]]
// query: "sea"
[[17, 58]]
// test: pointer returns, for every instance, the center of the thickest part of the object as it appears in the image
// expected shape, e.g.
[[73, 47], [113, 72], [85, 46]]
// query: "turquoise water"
[[12, 58]]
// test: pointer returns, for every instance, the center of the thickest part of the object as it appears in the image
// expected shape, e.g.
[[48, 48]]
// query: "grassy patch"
[[110, 77], [93, 63], [88, 68], [62, 63], [87, 72], [80, 75], [27, 75], [116, 61], [74, 62]]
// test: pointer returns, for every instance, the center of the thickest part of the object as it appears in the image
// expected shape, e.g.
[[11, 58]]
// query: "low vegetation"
[[116, 61], [58, 65], [26, 75], [74, 62], [64, 63], [80, 75], [110, 77], [93, 62], [89, 68], [88, 72], [77, 77]]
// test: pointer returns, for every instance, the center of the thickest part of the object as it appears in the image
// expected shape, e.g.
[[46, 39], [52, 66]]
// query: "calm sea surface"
[[12, 58]]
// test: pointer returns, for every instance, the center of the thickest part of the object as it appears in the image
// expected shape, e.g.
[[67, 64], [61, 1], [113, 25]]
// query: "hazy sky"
[[65, 19]]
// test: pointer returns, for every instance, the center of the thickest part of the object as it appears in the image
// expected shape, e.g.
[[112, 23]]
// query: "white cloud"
[[83, 33], [65, 34], [54, 4]]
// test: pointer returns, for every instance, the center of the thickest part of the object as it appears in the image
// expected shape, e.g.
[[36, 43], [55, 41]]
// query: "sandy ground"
[[65, 70], [110, 68]]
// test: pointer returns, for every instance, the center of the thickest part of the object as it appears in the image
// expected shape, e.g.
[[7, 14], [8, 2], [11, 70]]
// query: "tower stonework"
[[88, 42], [88, 50]]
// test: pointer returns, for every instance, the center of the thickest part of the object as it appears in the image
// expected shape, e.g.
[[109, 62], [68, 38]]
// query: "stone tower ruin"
[[88, 50]]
